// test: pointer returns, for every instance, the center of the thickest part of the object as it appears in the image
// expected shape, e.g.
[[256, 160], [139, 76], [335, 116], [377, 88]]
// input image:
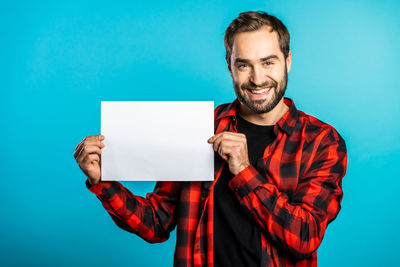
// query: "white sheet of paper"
[[157, 140]]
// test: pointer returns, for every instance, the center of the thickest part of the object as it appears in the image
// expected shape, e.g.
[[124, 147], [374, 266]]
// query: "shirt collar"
[[287, 123]]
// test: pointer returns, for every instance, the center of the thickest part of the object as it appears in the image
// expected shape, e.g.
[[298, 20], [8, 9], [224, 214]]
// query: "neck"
[[269, 118]]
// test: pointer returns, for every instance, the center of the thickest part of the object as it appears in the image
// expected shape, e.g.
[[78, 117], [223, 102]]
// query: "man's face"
[[259, 69]]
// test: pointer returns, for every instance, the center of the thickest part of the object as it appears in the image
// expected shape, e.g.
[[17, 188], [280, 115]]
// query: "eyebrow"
[[261, 59]]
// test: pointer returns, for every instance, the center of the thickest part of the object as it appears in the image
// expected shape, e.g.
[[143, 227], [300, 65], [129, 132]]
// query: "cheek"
[[277, 74], [240, 77]]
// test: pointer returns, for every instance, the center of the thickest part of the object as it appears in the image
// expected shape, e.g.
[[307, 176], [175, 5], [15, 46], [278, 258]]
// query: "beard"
[[260, 106]]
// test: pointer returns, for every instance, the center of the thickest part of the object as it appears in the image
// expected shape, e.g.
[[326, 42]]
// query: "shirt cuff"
[[246, 181], [99, 189]]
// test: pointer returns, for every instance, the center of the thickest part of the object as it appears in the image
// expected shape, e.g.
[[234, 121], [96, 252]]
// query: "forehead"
[[256, 44]]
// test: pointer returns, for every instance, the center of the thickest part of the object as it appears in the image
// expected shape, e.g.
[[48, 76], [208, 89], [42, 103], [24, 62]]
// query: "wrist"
[[241, 168], [92, 182]]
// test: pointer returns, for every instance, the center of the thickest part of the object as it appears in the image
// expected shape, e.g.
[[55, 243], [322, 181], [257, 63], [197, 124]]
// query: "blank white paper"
[[157, 140]]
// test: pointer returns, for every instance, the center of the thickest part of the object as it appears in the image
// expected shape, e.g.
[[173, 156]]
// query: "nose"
[[257, 76]]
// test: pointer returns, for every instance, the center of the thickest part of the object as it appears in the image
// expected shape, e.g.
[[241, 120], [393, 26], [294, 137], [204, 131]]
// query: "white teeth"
[[260, 91]]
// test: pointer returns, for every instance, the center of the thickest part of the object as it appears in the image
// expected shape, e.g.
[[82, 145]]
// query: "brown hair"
[[252, 21]]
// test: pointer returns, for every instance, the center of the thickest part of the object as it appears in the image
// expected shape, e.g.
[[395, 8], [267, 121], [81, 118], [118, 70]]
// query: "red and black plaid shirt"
[[293, 199]]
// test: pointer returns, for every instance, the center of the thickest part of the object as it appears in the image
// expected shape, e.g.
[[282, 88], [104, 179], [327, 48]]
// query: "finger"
[[87, 149], [90, 159], [225, 142], [230, 138], [78, 152], [90, 138], [223, 155], [87, 158], [95, 137], [226, 134], [90, 142], [213, 138], [79, 145], [95, 141], [91, 150], [218, 141], [83, 140], [235, 135], [226, 151]]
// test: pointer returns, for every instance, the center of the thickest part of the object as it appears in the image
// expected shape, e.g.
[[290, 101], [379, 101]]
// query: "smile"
[[259, 91]]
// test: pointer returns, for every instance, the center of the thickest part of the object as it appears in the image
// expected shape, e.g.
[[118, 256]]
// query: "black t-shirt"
[[237, 240]]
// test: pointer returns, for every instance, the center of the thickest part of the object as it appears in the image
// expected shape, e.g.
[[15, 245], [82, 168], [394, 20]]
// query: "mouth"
[[260, 92]]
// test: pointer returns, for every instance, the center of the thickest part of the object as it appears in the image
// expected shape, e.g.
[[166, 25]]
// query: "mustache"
[[251, 85]]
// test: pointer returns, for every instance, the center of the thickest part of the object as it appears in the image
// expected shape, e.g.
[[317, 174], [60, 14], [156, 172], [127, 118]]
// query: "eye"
[[242, 66], [267, 63]]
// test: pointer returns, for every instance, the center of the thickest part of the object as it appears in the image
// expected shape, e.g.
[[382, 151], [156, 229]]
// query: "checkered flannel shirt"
[[292, 197]]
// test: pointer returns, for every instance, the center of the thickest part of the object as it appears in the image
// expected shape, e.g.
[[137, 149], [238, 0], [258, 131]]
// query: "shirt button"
[[236, 189]]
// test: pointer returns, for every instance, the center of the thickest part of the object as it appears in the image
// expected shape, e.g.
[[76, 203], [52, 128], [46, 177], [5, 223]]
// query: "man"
[[278, 171]]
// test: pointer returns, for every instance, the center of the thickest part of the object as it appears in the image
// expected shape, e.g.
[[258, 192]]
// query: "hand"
[[232, 147], [88, 156]]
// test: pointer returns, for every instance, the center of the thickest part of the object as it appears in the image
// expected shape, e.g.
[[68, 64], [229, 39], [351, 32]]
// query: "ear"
[[289, 61], [229, 68]]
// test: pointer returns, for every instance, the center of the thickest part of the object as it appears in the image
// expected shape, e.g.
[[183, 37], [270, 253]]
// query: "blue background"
[[59, 59]]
